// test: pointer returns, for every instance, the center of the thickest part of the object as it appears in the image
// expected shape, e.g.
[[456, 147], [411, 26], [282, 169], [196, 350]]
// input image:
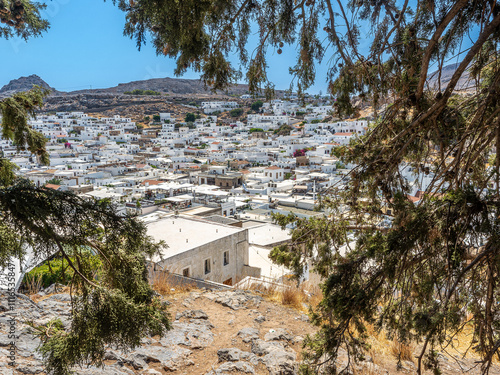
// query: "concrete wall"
[[194, 259]]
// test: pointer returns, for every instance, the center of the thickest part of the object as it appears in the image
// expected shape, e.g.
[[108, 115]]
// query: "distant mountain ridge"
[[182, 86], [464, 83], [164, 85]]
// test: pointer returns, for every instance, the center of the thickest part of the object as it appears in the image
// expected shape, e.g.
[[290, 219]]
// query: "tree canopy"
[[257, 105], [21, 18], [190, 117]]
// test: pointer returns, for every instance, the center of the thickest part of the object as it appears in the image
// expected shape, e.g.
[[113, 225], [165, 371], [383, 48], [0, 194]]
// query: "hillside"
[[166, 85], [463, 83], [214, 332], [113, 101], [24, 84]]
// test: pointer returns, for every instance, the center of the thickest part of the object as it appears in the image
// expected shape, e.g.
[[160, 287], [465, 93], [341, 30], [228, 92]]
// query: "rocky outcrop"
[[213, 333], [192, 332], [24, 84]]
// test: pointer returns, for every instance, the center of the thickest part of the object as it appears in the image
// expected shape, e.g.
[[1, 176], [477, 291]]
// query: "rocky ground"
[[214, 332]]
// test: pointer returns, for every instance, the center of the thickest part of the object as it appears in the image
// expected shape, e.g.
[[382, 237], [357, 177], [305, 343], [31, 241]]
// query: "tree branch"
[[433, 42]]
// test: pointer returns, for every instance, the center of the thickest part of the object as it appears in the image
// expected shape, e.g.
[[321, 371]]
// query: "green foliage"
[[142, 92], [113, 318], [283, 130], [156, 118], [257, 105], [21, 18], [256, 130], [190, 117], [54, 181], [237, 112], [16, 111], [58, 271]]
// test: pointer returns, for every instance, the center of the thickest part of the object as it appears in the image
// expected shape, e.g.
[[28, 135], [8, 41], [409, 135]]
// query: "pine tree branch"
[[433, 43]]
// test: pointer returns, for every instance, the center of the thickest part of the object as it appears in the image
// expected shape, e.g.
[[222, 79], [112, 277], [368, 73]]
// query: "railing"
[[263, 281]]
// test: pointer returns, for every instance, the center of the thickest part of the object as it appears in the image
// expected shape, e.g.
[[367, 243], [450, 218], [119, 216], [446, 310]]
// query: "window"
[[185, 272], [226, 258], [207, 266]]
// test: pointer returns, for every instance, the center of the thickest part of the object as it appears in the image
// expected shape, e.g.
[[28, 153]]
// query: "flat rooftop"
[[182, 233], [267, 235]]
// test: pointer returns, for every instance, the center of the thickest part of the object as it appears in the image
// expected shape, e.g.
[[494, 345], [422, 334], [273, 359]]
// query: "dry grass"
[[33, 285], [402, 351], [314, 296], [165, 284], [292, 297], [381, 346], [37, 298], [368, 369], [289, 294]]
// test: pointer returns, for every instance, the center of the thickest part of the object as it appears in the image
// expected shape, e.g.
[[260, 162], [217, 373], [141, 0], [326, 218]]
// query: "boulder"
[[278, 334], [248, 334], [233, 367], [192, 314]]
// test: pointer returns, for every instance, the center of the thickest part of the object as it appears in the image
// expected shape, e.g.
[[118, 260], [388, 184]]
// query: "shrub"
[[142, 92], [402, 351], [257, 105], [237, 112], [299, 153], [52, 271], [165, 284], [253, 130], [190, 117]]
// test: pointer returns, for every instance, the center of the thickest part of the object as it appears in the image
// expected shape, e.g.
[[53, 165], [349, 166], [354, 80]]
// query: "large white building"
[[211, 107], [201, 249]]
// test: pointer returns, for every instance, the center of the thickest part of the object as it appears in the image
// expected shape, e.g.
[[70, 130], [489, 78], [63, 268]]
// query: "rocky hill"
[[24, 84], [214, 333], [111, 101], [464, 83], [164, 85]]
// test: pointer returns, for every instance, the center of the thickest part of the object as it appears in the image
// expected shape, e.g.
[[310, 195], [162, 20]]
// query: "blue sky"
[[85, 47]]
